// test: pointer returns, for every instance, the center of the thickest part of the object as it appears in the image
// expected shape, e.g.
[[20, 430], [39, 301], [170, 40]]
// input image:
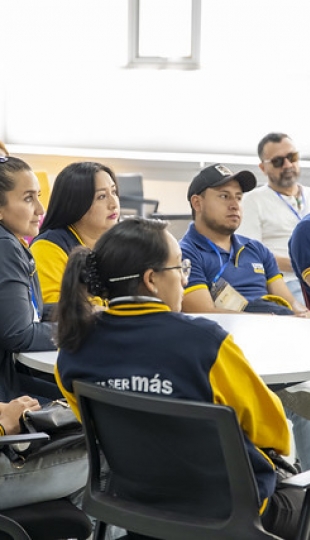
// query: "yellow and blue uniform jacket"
[[51, 250], [299, 252], [144, 347]]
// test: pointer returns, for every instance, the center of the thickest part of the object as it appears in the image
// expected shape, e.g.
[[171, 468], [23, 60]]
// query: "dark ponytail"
[[114, 268], [75, 313]]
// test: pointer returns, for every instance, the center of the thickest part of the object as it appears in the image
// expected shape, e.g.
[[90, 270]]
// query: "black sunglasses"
[[278, 161], [3, 159]]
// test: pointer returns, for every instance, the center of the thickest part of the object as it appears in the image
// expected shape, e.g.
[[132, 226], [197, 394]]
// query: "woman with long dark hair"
[[84, 203]]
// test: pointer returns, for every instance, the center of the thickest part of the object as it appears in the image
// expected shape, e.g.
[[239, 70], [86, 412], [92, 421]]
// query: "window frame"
[[157, 62]]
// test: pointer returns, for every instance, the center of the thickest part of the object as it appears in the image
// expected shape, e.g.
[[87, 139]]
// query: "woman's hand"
[[12, 411]]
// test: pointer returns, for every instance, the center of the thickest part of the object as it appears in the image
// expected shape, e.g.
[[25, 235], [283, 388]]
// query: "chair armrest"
[[140, 201], [301, 480], [23, 437]]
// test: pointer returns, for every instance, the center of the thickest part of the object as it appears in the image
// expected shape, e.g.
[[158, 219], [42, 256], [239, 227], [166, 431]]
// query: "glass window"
[[164, 33]]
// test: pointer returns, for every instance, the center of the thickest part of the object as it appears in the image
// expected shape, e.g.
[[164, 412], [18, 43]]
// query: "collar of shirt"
[[202, 241], [135, 305]]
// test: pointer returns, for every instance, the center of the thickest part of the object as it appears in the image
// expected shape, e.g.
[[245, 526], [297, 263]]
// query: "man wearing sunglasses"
[[271, 212]]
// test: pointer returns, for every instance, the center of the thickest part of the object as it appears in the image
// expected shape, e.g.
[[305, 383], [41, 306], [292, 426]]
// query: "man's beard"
[[283, 181], [218, 228]]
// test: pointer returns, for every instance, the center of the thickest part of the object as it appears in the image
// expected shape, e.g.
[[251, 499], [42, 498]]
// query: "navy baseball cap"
[[218, 175]]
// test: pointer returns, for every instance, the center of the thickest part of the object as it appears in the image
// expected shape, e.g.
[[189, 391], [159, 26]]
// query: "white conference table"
[[41, 360], [276, 346]]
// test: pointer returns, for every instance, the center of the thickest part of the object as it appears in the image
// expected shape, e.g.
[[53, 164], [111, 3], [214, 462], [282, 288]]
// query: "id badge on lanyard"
[[223, 294]]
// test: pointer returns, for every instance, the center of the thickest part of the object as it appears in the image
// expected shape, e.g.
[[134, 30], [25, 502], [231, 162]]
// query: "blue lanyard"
[[222, 265], [34, 302], [290, 206]]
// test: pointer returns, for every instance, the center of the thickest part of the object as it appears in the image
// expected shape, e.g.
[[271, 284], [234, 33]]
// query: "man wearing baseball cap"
[[229, 272], [218, 175]]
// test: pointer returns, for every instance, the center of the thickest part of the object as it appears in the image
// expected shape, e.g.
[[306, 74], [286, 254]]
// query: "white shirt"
[[271, 219]]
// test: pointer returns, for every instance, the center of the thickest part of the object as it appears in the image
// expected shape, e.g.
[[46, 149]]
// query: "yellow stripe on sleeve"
[[70, 397], [259, 410], [196, 288], [274, 278], [305, 274]]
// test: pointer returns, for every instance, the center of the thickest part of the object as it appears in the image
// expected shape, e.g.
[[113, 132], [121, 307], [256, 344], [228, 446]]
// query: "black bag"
[[57, 420], [54, 417]]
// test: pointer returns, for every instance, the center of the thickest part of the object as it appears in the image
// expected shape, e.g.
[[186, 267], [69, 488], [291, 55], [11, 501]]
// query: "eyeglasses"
[[185, 268], [278, 161], [3, 159]]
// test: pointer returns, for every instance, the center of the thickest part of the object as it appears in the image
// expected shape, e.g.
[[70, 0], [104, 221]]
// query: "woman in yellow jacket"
[[84, 203]]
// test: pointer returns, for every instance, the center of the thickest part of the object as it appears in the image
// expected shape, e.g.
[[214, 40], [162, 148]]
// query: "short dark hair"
[[7, 170], [129, 248], [270, 137], [73, 193]]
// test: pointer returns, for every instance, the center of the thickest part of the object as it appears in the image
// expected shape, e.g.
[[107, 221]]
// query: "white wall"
[[66, 85]]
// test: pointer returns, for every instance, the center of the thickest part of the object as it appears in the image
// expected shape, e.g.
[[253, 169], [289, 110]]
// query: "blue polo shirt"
[[248, 267], [299, 251]]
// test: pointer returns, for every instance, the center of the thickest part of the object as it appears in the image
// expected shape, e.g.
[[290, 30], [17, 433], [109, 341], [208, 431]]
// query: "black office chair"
[[132, 200], [161, 454], [50, 520]]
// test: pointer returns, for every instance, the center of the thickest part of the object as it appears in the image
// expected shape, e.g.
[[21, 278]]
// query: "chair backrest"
[[177, 223], [130, 184], [132, 201], [177, 470]]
